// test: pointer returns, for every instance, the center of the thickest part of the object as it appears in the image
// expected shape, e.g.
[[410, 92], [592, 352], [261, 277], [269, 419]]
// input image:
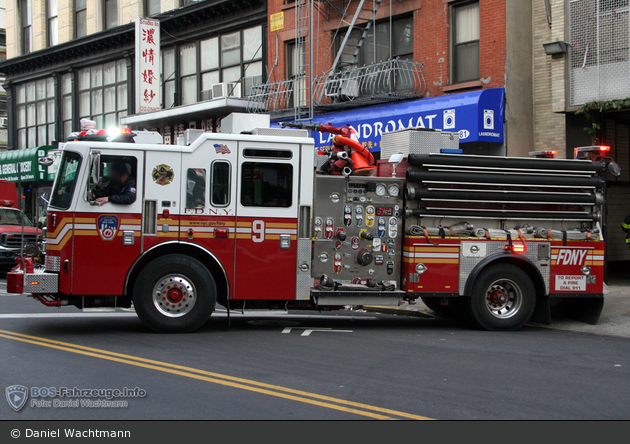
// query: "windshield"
[[66, 180], [9, 216]]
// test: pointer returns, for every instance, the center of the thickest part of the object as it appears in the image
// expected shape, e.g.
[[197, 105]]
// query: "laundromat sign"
[[477, 116], [12, 163]]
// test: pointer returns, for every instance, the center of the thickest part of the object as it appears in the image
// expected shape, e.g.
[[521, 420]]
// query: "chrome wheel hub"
[[504, 298], [174, 295]]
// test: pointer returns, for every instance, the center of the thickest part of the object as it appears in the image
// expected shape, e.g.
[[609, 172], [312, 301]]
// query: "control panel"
[[358, 229]]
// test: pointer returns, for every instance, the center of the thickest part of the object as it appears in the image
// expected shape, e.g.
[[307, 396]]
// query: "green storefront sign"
[[26, 161]]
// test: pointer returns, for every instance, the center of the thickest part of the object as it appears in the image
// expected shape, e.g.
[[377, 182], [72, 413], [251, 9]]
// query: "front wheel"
[[503, 298], [174, 293]]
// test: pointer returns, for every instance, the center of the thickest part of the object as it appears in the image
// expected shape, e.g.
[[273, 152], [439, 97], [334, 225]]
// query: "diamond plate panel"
[[416, 141], [304, 281], [467, 264], [41, 283], [53, 263], [340, 298]]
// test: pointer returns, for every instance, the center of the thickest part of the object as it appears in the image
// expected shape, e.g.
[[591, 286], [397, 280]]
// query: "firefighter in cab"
[[120, 190]]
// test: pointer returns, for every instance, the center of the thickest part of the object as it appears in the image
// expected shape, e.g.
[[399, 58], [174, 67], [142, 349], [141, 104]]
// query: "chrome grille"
[[14, 240]]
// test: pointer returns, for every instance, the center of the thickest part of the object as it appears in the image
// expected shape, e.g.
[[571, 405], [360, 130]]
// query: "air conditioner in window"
[[349, 89], [249, 82], [4, 122], [206, 94], [226, 89]]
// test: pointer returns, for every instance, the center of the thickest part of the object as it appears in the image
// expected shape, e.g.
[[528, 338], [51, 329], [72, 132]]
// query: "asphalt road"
[[341, 365]]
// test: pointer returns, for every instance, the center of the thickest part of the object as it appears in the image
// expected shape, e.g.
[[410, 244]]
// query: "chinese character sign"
[[148, 88]]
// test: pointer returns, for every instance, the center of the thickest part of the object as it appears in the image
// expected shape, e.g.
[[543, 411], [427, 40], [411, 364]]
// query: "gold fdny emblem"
[[163, 174]]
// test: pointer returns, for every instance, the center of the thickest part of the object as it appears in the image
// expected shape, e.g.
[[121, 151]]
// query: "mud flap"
[[586, 310], [542, 312]]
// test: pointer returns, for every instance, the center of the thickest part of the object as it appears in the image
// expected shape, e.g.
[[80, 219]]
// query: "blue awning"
[[478, 116]]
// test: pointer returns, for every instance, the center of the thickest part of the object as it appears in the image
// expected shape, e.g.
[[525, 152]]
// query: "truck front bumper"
[[38, 282]]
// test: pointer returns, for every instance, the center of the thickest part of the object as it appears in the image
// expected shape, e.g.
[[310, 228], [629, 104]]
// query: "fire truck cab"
[[248, 221]]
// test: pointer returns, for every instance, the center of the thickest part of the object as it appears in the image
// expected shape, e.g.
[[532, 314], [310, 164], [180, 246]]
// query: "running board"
[[337, 298]]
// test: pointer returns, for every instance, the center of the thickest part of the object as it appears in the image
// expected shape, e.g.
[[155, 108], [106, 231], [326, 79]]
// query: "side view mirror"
[[46, 161], [614, 168], [96, 163]]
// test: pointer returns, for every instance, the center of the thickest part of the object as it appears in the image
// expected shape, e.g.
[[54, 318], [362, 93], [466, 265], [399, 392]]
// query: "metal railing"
[[387, 81]]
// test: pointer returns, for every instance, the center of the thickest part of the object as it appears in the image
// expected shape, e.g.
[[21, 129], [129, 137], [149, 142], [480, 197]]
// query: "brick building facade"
[[499, 30]]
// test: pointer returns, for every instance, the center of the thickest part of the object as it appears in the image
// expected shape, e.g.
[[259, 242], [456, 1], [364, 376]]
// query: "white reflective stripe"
[[597, 258], [84, 226], [130, 227], [243, 230], [280, 231], [60, 236], [554, 256], [431, 255]]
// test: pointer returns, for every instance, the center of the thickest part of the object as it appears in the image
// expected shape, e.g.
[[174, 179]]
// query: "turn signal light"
[[518, 248]]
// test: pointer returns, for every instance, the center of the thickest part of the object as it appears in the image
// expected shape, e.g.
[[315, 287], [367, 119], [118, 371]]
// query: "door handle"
[[285, 241]]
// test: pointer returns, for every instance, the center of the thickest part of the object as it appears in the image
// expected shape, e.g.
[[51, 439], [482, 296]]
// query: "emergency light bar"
[[543, 154], [598, 150]]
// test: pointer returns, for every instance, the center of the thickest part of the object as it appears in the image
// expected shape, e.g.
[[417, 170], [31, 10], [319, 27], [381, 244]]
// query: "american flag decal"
[[221, 149]]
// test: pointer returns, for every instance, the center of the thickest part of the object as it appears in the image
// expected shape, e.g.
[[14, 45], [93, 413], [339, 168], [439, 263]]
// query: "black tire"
[[189, 286], [503, 298]]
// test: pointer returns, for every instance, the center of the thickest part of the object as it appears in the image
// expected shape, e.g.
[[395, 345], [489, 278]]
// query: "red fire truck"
[[249, 221]]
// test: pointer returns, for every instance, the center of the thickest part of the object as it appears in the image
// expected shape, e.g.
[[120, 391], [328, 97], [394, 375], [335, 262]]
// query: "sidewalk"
[[614, 321]]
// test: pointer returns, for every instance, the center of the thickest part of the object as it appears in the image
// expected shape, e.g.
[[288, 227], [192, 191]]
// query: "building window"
[[110, 13], [103, 93], [391, 41], [35, 103], [52, 12], [227, 58], [465, 42], [66, 104], [26, 17], [169, 77], [80, 18], [151, 7], [188, 73], [295, 64]]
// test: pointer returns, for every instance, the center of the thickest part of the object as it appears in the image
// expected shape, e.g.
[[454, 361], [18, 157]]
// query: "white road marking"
[[308, 330]]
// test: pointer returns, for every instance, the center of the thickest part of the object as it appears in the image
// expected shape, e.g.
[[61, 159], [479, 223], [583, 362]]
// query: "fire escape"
[[347, 83]]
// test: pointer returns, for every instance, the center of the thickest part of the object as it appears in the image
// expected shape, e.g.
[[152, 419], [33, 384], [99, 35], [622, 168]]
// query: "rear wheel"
[[503, 298], [174, 293]]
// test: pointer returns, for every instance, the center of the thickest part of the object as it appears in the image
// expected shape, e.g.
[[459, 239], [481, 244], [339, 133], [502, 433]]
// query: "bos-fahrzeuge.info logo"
[[17, 395], [63, 397]]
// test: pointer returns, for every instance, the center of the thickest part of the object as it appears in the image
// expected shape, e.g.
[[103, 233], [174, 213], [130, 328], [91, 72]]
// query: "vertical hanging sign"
[[148, 88]]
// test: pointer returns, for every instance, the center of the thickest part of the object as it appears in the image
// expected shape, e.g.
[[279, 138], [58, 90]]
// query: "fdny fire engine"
[[260, 221]]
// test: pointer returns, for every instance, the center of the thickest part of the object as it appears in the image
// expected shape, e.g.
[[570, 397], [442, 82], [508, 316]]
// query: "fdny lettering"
[[571, 257]]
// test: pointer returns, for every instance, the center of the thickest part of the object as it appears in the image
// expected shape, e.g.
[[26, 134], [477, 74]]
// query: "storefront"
[[478, 117], [33, 180]]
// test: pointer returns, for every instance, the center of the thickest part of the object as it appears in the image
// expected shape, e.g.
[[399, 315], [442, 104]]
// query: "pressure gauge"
[[380, 190], [393, 190]]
